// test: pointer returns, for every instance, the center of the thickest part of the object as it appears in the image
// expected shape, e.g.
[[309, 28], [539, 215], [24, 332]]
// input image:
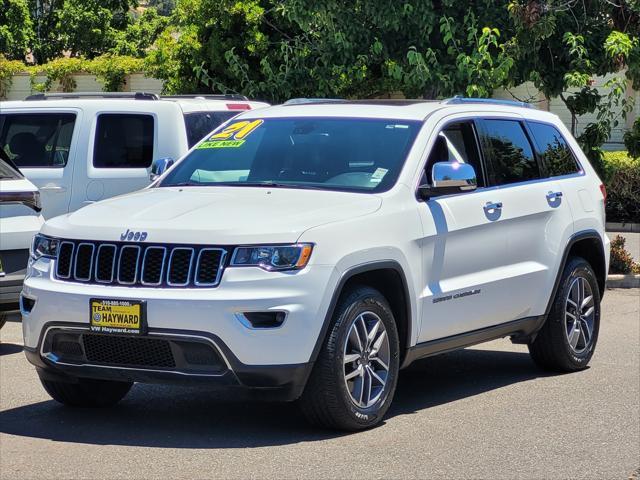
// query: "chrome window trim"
[[113, 262], [71, 262], [87, 329], [173, 251], [144, 259], [135, 275], [75, 263], [466, 118], [223, 257]]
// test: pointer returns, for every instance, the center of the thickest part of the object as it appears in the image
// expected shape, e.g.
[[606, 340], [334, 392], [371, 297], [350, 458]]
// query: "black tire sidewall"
[[376, 303]]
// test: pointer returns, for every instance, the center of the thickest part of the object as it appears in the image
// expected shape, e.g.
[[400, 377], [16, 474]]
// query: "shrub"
[[8, 68], [112, 70], [621, 260], [60, 69], [622, 179], [632, 139]]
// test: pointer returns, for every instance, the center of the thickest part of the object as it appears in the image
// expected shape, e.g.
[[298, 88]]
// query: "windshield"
[[8, 171], [350, 154]]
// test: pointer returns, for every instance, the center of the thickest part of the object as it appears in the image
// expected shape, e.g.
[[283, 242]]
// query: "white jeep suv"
[[310, 251]]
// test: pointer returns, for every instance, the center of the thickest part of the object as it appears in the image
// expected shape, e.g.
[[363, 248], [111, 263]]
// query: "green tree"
[[16, 29], [278, 49], [141, 34]]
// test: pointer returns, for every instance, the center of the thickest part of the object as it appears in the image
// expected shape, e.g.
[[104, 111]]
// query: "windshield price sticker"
[[232, 136]]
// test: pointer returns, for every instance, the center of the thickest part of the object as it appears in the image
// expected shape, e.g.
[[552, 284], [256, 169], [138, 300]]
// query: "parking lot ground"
[[484, 412]]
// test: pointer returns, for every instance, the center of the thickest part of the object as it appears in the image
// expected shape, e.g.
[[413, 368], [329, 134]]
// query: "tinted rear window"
[[123, 141], [37, 140], [556, 155], [200, 124]]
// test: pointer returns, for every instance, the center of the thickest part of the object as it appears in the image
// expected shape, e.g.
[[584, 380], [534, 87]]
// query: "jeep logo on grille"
[[135, 236]]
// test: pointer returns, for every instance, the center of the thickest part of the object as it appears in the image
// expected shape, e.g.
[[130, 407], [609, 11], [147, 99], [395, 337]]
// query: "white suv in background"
[[20, 220], [311, 250], [79, 148]]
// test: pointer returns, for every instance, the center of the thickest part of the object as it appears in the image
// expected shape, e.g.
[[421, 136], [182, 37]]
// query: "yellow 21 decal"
[[232, 136]]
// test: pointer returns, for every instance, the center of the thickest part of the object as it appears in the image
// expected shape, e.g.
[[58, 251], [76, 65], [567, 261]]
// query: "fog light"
[[261, 319], [26, 305]]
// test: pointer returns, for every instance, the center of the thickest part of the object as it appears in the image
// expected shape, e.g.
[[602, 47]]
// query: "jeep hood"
[[212, 215]]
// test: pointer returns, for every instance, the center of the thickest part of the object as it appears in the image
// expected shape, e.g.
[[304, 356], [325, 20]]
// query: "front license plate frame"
[[113, 316]]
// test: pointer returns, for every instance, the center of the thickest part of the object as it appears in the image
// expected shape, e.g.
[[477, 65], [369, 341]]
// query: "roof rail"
[[302, 101], [206, 96], [130, 95], [458, 100]]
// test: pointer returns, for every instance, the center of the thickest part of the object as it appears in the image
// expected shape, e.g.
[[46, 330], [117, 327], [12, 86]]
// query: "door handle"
[[53, 188], [554, 195], [493, 206]]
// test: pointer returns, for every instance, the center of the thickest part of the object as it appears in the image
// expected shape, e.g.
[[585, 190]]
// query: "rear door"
[[119, 154], [43, 144], [534, 210]]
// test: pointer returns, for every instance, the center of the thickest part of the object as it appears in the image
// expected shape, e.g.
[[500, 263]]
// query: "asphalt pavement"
[[484, 412]]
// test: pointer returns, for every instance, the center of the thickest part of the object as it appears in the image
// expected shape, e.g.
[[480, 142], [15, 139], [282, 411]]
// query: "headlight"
[[273, 257], [44, 247]]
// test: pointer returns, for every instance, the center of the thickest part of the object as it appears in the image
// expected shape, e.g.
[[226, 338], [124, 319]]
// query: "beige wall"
[[136, 82]]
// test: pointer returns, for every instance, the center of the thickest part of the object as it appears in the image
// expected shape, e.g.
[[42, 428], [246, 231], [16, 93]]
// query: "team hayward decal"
[[456, 295]]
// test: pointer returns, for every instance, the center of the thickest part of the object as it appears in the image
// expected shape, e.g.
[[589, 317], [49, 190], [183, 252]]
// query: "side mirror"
[[448, 178], [160, 166]]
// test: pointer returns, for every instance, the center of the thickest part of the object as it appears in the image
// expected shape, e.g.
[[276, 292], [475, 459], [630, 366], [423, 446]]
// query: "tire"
[[87, 392], [552, 348], [330, 399]]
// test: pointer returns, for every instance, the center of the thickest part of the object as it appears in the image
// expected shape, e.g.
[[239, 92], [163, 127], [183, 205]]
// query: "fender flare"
[[575, 238], [345, 277]]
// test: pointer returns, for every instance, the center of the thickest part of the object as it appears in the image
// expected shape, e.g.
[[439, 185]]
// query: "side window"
[[37, 140], [457, 142], [553, 149], [509, 155], [123, 141], [199, 124]]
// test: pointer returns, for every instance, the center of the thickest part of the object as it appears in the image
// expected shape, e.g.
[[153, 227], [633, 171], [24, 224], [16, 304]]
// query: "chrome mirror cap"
[[454, 175], [449, 178], [159, 166]]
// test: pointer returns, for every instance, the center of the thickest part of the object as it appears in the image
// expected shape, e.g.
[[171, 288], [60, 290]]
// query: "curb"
[[623, 227], [623, 281]]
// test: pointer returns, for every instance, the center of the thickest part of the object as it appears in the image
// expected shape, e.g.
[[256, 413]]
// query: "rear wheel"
[[354, 378], [87, 392], [568, 338]]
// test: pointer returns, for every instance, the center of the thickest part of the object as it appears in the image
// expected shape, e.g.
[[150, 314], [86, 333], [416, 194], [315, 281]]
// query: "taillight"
[[603, 189], [238, 106]]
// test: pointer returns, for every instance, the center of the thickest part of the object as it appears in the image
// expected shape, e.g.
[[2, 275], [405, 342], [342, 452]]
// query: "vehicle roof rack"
[[130, 95], [458, 100], [207, 96], [302, 101]]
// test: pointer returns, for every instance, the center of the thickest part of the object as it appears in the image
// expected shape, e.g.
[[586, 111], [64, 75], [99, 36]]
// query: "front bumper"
[[259, 358]]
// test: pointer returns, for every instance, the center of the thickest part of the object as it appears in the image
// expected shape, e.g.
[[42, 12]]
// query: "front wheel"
[[355, 375], [568, 338]]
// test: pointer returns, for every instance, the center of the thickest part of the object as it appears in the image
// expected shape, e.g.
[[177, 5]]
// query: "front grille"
[[128, 351], [140, 265]]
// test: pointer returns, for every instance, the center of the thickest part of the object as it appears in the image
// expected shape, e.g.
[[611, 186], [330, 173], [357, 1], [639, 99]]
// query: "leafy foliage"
[[621, 175], [621, 261], [16, 29], [140, 35], [112, 70], [8, 68], [632, 139]]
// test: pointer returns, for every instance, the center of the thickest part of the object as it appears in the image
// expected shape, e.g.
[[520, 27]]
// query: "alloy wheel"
[[366, 359], [579, 315]]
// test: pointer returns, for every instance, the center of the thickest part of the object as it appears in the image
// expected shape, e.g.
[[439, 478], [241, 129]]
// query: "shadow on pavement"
[[9, 348], [174, 417]]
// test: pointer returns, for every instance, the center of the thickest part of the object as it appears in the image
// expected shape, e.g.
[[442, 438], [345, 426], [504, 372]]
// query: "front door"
[[466, 271]]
